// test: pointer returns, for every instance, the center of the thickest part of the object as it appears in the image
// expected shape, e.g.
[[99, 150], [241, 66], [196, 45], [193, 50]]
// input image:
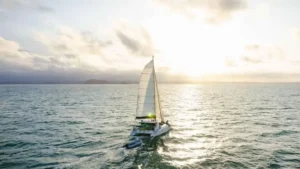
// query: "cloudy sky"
[[195, 40]]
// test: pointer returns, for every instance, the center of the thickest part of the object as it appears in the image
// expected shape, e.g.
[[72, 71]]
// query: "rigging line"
[[153, 74], [159, 104]]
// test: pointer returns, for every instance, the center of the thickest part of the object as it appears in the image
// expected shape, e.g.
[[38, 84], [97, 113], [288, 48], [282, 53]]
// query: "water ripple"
[[213, 126]]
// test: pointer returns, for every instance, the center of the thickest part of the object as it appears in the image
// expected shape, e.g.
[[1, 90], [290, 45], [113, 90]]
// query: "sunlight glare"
[[193, 48]]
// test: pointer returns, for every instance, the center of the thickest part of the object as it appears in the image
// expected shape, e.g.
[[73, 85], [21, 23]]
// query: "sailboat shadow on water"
[[149, 155], [148, 110], [153, 144]]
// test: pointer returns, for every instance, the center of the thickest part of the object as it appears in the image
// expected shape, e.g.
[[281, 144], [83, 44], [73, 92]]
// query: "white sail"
[[146, 93], [148, 107]]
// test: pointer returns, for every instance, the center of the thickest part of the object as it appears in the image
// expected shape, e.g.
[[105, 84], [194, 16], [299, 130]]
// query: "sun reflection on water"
[[190, 140]]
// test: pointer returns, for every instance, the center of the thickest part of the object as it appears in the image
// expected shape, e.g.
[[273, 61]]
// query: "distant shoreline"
[[96, 81], [124, 83]]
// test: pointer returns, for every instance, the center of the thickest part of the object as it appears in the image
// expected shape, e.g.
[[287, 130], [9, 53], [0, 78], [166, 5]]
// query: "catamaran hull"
[[160, 130], [137, 132], [163, 130], [137, 142], [134, 145]]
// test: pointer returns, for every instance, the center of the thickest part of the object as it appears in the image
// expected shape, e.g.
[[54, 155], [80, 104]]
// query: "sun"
[[191, 48], [194, 48]]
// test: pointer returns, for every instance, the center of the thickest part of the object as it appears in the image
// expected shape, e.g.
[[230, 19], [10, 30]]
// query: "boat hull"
[[137, 142], [162, 130]]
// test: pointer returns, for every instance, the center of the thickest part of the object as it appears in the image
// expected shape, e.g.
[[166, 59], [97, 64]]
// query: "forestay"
[[158, 111]]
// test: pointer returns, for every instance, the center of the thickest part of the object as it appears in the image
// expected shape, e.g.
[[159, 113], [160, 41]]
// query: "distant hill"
[[96, 81]]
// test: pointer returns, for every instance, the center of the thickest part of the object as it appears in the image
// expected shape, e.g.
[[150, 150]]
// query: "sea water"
[[229, 125]]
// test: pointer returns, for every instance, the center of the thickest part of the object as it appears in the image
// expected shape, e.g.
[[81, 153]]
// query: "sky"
[[191, 40]]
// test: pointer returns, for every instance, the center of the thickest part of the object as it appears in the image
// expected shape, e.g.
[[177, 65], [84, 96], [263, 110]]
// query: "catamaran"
[[148, 110]]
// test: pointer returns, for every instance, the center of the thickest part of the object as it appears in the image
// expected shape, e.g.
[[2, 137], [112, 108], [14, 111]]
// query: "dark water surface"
[[213, 126]]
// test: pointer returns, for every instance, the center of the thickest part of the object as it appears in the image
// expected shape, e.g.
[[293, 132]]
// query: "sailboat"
[[148, 105], [148, 110]]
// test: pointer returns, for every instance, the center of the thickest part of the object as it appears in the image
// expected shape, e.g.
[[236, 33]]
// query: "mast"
[[160, 110], [153, 74]]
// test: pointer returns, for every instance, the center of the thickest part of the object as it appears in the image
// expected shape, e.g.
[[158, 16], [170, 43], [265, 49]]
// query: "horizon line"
[[83, 83]]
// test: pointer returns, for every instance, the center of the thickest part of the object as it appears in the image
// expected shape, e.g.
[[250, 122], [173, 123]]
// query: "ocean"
[[226, 125]]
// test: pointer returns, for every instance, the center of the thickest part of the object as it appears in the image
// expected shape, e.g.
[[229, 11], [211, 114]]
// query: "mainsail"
[[148, 103]]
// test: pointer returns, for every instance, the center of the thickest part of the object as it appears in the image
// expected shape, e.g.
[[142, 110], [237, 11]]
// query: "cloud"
[[252, 47], [65, 76], [130, 43], [10, 52], [261, 11], [44, 8], [7, 5], [22, 66], [136, 40], [259, 57], [232, 5], [256, 53], [254, 77], [251, 60], [82, 48], [296, 32], [216, 11], [16, 59], [69, 41], [69, 52], [253, 51], [229, 62]]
